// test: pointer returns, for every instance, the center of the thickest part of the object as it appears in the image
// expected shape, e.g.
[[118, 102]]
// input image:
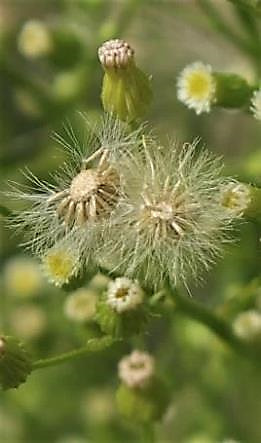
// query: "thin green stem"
[[216, 324], [148, 434], [93, 345]]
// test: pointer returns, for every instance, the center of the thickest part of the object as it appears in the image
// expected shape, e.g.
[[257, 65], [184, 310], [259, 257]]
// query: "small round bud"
[[137, 369], [34, 39], [80, 305], [116, 54], [247, 325], [15, 363]]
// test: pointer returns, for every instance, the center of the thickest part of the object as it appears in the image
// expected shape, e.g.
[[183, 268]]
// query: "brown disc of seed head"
[[115, 54], [168, 217], [93, 193]]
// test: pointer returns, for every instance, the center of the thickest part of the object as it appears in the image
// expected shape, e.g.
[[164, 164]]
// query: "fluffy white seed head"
[[169, 222], [137, 369], [115, 54], [34, 39], [236, 197], [74, 210], [247, 325], [256, 104], [80, 305], [196, 87], [124, 294]]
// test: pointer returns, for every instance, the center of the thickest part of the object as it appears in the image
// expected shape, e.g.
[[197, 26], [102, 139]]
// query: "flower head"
[[60, 263], [116, 54], [80, 305], [34, 39], [137, 369], [236, 197], [256, 104], [126, 90], [124, 294], [196, 87], [169, 222], [65, 220]]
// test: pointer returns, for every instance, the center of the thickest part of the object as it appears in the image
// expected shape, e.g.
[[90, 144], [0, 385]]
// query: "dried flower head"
[[34, 39], [236, 197], [169, 222], [137, 369], [66, 220], [124, 294], [256, 104], [80, 305], [116, 54], [196, 87]]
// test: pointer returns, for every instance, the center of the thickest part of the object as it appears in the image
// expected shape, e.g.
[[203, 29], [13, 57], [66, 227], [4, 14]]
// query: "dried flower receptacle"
[[92, 193]]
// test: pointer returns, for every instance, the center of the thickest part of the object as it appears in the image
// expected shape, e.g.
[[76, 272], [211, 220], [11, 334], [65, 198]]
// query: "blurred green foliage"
[[215, 393]]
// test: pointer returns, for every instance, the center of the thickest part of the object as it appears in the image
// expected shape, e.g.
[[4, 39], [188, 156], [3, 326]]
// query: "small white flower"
[[236, 197], [80, 305], [137, 369], [256, 104], [34, 39], [124, 294], [247, 325], [196, 87]]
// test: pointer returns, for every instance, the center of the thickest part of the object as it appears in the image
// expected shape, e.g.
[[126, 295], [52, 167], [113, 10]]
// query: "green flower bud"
[[120, 324], [121, 311], [143, 405], [126, 90], [232, 91], [15, 363]]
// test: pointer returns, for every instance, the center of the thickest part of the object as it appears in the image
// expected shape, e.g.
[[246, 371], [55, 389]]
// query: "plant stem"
[[148, 435], [93, 345], [216, 324]]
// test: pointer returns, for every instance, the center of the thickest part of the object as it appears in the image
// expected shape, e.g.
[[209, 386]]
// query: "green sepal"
[[126, 92], [232, 90], [122, 324], [143, 405]]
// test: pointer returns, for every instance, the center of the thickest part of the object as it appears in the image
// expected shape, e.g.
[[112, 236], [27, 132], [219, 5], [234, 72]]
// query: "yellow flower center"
[[59, 265], [199, 85]]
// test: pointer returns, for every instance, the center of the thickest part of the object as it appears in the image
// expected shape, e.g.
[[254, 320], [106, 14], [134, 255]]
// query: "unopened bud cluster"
[[116, 54]]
